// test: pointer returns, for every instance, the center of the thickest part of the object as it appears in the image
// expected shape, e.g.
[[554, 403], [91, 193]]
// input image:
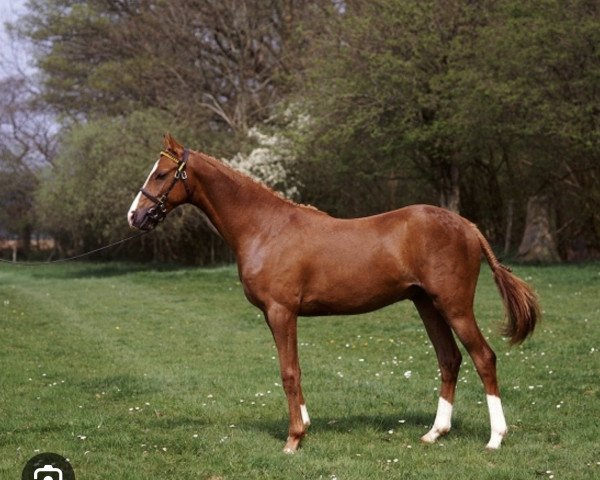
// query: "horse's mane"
[[237, 175]]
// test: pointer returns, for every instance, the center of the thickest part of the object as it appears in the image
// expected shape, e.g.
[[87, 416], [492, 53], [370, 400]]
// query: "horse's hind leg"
[[449, 359], [484, 358]]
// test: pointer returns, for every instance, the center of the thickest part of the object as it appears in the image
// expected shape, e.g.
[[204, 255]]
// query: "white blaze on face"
[[136, 200]]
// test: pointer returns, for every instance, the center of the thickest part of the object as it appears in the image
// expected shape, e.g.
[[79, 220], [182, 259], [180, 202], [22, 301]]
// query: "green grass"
[[137, 373]]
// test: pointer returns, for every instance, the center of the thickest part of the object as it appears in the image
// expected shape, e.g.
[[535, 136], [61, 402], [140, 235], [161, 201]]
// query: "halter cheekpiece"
[[159, 211]]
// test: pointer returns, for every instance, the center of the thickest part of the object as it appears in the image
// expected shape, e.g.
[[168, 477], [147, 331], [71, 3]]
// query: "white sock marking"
[[305, 417], [497, 422], [442, 422]]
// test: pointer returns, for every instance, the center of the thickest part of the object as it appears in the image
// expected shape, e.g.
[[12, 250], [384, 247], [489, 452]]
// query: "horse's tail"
[[520, 301]]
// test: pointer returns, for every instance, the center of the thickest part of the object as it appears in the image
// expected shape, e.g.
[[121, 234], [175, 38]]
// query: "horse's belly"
[[356, 295]]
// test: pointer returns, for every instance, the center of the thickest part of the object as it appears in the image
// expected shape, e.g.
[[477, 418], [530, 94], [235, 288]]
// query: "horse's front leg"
[[283, 324]]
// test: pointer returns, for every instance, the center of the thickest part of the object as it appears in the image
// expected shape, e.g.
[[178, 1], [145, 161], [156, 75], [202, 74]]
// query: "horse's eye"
[[160, 175]]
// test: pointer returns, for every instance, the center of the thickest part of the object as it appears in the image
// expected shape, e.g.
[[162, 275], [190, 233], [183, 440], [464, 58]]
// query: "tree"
[[212, 64], [27, 143], [83, 201], [539, 239], [211, 68], [388, 80], [549, 112], [477, 104], [271, 157]]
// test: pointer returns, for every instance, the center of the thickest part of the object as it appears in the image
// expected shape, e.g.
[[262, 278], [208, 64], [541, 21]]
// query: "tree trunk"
[[450, 193], [25, 240], [509, 224], [392, 188], [538, 244]]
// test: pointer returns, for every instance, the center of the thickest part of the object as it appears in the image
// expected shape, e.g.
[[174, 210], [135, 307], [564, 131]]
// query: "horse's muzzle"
[[144, 221]]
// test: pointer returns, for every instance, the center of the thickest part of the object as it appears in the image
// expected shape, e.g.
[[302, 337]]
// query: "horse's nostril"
[[135, 220]]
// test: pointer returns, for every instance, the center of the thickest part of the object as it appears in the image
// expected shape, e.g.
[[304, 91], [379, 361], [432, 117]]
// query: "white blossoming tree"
[[271, 160]]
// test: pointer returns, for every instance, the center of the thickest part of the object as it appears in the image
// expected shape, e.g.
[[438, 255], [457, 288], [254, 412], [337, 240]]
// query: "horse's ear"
[[171, 144]]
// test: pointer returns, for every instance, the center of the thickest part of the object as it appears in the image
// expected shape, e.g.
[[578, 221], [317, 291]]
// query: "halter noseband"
[[159, 211]]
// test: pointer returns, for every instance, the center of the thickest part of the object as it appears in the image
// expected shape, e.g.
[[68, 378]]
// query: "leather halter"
[[159, 211]]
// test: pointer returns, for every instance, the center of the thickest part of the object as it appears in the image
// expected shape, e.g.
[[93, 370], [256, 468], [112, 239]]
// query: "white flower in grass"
[[408, 374]]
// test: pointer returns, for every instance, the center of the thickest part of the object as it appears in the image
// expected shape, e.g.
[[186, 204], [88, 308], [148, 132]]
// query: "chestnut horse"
[[295, 260]]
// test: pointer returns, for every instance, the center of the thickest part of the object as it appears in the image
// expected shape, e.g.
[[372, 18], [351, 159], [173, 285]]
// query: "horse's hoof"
[[291, 446], [434, 434], [493, 446], [496, 439]]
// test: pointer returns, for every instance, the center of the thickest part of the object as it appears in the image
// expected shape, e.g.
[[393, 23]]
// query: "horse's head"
[[165, 188]]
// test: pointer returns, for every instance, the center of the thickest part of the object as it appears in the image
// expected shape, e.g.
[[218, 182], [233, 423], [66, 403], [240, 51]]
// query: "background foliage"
[[476, 106], [92, 182]]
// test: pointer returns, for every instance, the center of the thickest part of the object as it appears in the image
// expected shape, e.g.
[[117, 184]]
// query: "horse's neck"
[[237, 206]]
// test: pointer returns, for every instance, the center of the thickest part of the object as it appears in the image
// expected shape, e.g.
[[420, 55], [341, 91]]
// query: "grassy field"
[[134, 372]]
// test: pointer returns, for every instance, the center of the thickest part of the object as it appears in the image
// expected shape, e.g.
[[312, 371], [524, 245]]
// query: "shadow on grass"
[[120, 386], [177, 422], [154, 423], [355, 424]]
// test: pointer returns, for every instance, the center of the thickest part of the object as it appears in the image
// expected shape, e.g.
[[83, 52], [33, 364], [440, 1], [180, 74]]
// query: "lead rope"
[[74, 257]]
